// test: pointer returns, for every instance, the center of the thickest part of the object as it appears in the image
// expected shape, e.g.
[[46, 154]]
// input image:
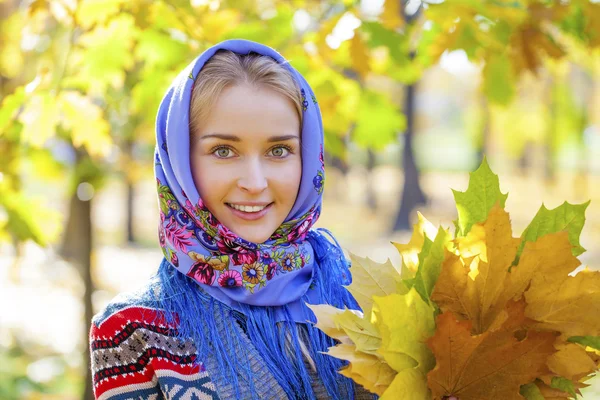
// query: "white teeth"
[[247, 208]]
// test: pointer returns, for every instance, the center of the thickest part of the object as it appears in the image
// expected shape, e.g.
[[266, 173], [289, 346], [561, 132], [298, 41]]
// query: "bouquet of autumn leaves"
[[482, 315]]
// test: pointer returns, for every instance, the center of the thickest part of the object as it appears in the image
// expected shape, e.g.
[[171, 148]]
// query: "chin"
[[253, 236]]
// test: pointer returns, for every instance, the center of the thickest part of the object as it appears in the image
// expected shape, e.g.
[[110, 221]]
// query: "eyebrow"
[[234, 138]]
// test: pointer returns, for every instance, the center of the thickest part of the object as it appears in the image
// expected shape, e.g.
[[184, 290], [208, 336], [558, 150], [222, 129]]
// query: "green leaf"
[[379, 121], [569, 217], [41, 226], [147, 94], [564, 384], [531, 392], [9, 107], [335, 145], [97, 11], [498, 80], [159, 51], [261, 30], [475, 203], [107, 53], [251, 30], [44, 165], [430, 264], [378, 35], [588, 341]]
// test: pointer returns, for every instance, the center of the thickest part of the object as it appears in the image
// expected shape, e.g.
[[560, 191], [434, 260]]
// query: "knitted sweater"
[[134, 355]]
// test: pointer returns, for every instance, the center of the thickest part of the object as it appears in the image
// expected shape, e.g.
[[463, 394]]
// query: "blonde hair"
[[226, 68]]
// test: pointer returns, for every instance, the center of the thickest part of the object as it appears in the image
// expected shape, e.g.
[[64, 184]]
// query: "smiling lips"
[[249, 212], [247, 208]]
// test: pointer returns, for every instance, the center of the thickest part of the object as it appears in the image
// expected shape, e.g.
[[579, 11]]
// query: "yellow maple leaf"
[[455, 290], [494, 246], [472, 285], [85, 120], [326, 322], [410, 251], [508, 307], [359, 54], [391, 17], [491, 365], [409, 384], [405, 322], [571, 361], [326, 29], [592, 11], [549, 256], [363, 334], [369, 279], [570, 305], [367, 370]]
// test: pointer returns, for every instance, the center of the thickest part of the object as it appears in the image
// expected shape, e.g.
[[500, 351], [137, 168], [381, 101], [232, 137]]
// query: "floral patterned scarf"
[[229, 268]]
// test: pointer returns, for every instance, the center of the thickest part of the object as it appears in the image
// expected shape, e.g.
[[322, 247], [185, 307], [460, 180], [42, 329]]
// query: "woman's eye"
[[222, 152], [279, 151]]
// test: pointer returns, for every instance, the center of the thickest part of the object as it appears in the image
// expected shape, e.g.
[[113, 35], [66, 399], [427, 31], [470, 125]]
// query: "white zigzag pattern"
[[173, 393]]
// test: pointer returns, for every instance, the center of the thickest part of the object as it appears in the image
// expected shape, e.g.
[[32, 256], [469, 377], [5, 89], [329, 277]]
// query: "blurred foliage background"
[[413, 94]]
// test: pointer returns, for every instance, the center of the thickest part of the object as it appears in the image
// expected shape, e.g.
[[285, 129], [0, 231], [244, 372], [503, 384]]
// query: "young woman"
[[239, 170]]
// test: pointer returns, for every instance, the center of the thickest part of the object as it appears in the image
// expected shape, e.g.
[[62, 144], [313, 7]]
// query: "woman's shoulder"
[[134, 350], [134, 306]]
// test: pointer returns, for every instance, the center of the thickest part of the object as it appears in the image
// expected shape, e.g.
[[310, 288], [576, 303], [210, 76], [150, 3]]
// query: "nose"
[[252, 179]]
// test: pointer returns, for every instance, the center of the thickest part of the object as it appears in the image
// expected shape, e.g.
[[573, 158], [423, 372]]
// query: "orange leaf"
[[454, 290], [360, 55], [391, 17], [492, 365], [592, 11], [475, 290]]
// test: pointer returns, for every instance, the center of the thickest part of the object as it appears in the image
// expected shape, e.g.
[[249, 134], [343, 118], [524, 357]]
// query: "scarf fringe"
[[188, 307]]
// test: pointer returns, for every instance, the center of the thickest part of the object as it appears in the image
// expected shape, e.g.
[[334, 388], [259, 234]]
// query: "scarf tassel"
[[278, 344]]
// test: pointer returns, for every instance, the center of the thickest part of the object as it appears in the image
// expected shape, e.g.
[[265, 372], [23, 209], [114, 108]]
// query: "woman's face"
[[246, 160]]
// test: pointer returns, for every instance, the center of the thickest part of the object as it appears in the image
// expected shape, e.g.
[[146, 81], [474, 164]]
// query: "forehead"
[[251, 112]]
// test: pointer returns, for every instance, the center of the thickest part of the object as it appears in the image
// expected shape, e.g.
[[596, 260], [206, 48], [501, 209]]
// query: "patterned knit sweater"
[[134, 355]]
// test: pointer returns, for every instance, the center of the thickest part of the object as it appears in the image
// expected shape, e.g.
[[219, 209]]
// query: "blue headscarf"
[[262, 283], [228, 267]]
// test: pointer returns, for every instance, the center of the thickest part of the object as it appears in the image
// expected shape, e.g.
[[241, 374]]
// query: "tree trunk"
[[339, 164], [412, 194], [77, 249], [130, 194], [524, 162], [130, 211]]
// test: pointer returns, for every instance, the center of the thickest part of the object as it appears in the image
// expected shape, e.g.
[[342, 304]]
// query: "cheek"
[[288, 181], [208, 183]]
